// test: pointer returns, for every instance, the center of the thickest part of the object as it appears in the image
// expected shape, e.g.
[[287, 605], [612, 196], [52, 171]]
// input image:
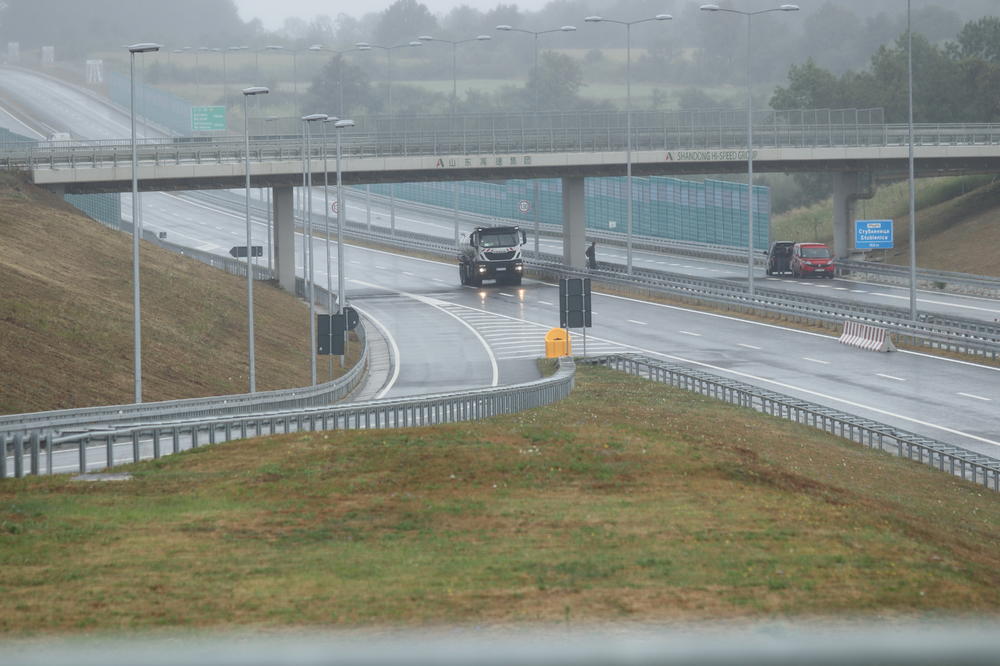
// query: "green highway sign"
[[208, 119]]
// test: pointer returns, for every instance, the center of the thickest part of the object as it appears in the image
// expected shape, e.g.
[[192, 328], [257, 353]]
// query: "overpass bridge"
[[500, 147]]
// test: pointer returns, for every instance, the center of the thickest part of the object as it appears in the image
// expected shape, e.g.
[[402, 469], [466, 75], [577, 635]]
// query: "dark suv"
[[779, 257]]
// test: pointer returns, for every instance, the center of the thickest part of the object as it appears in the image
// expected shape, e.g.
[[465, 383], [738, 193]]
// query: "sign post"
[[873, 234], [574, 305], [241, 251]]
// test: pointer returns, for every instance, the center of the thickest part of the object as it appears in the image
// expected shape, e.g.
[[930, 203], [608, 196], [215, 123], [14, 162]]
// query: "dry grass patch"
[[66, 315], [628, 501]]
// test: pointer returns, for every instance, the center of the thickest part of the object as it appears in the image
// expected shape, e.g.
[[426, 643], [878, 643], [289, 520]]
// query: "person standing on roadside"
[[592, 255]]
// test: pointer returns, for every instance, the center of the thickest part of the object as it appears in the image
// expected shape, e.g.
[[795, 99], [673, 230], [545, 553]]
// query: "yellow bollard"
[[557, 343]]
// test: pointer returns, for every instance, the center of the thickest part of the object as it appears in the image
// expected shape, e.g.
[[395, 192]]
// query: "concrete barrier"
[[866, 336]]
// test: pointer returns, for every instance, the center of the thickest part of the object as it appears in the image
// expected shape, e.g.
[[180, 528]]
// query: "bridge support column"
[[845, 192], [574, 223], [284, 237]]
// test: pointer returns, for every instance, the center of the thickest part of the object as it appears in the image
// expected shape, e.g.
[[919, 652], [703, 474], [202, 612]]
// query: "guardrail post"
[[109, 446], [18, 455], [135, 446], [49, 436], [3, 457], [175, 439], [34, 453], [156, 443], [82, 451]]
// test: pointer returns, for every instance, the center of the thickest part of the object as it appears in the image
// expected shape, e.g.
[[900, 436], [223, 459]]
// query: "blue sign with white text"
[[873, 234]]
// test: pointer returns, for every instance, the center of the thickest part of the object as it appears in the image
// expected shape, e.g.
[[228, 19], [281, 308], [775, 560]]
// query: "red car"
[[812, 259]]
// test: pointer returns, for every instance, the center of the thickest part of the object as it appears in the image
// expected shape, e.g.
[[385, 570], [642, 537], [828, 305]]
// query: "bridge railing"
[[476, 141]]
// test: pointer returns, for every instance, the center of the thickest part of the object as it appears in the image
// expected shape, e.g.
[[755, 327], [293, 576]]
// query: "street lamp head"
[[274, 47], [709, 8], [145, 47], [426, 38], [567, 28], [331, 119], [415, 42], [505, 28], [314, 116], [663, 17], [317, 47], [256, 90], [363, 45], [593, 19], [789, 8], [341, 124], [482, 38]]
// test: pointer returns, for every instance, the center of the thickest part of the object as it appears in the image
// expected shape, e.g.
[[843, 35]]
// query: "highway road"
[[450, 336]]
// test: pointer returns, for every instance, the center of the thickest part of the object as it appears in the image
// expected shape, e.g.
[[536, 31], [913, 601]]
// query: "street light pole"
[[136, 225], [252, 372], [306, 120], [364, 46], [535, 34], [341, 215], [326, 227], [628, 121], [454, 101], [913, 188], [750, 197]]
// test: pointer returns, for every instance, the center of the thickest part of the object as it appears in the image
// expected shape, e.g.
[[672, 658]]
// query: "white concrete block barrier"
[[866, 336]]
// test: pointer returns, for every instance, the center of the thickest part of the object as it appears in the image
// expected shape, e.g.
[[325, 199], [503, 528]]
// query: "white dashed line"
[[815, 360], [896, 379], [503, 293], [633, 321], [544, 303], [975, 397], [697, 335], [749, 346]]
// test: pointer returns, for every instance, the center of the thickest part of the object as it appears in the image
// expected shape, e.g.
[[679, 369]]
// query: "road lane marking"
[[639, 323], [975, 397], [897, 379], [741, 344], [544, 303], [815, 360], [691, 333], [392, 343]]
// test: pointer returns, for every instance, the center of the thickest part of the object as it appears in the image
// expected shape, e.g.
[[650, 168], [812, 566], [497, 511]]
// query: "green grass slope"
[[627, 502], [66, 315]]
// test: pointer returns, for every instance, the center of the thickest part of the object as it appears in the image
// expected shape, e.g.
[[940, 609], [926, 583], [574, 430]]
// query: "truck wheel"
[[476, 281], [463, 276]]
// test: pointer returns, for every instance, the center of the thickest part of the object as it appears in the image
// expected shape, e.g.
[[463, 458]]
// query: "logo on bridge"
[[480, 162], [707, 156]]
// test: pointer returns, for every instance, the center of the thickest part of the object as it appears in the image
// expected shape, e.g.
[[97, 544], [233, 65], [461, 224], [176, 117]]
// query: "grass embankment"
[[956, 223], [66, 316], [629, 501]]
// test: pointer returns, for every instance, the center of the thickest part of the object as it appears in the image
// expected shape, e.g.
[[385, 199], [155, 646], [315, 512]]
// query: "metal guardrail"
[[86, 418], [954, 460], [150, 439], [893, 274]]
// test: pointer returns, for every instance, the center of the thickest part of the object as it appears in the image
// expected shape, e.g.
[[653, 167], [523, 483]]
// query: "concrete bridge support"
[[574, 223], [284, 237]]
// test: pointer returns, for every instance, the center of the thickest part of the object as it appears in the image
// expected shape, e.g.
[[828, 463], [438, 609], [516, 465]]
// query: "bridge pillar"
[[574, 223], [845, 192], [284, 237]]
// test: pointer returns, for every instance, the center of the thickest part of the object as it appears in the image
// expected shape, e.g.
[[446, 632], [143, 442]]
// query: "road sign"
[[523, 205], [329, 335], [208, 119], [241, 251], [574, 303], [873, 234], [333, 207]]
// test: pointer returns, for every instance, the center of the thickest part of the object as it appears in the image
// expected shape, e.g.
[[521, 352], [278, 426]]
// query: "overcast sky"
[[273, 14]]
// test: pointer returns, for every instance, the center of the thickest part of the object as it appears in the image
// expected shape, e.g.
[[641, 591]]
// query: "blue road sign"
[[873, 234]]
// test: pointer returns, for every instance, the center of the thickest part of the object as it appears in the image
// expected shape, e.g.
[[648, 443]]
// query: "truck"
[[491, 253]]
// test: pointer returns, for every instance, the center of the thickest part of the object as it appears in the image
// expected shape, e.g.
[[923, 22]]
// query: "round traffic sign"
[[523, 206], [333, 207]]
